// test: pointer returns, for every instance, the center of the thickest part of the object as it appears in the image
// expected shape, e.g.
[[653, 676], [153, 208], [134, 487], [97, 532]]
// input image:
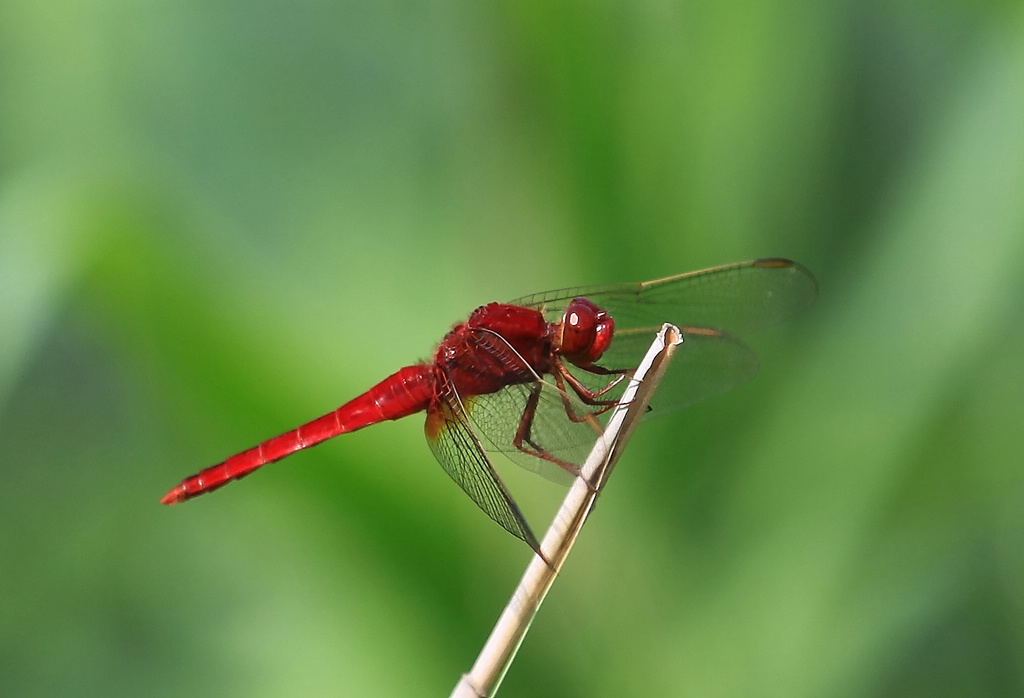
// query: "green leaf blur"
[[219, 220]]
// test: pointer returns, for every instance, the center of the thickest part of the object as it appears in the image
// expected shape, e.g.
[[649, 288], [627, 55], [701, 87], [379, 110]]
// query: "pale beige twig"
[[498, 652]]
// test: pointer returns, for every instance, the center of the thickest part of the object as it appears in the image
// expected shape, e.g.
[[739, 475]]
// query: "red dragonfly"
[[532, 378]]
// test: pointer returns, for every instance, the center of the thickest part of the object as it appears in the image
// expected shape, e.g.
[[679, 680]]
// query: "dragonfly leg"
[[585, 394], [602, 406], [524, 442], [588, 396], [602, 371]]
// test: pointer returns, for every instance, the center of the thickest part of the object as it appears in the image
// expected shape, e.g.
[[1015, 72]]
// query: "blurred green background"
[[219, 220]]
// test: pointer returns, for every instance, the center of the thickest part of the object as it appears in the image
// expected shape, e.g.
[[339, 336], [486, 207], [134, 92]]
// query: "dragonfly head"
[[584, 332]]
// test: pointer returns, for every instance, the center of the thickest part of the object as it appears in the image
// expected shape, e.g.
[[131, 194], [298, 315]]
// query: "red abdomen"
[[404, 393]]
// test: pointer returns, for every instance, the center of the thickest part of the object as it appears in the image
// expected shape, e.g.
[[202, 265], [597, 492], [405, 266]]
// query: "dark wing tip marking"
[[794, 268], [773, 263]]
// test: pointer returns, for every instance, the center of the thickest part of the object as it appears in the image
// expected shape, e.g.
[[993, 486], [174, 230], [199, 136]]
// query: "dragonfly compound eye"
[[580, 328]]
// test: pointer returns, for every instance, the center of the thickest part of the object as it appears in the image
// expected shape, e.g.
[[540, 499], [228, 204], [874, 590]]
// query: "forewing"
[[461, 455], [735, 298], [713, 307]]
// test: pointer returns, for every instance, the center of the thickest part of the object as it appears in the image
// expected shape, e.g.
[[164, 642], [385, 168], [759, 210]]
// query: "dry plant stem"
[[497, 654]]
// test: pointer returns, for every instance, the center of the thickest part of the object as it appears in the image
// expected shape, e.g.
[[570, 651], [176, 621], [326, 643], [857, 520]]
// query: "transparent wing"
[[735, 298], [556, 426], [713, 307], [540, 413], [541, 425], [708, 363], [462, 456]]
